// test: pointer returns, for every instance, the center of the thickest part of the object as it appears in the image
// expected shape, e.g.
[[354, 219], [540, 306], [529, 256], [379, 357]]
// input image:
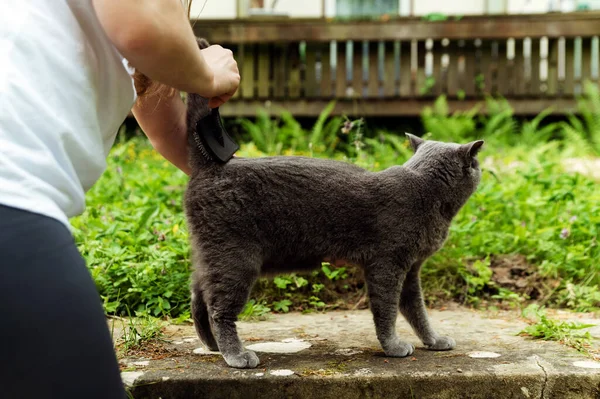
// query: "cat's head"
[[453, 165]]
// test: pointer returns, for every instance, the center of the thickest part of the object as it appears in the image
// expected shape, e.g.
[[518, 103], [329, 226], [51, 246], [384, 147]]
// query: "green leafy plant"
[[272, 135], [480, 82], [477, 276], [254, 310], [533, 133], [565, 332], [428, 85], [133, 234], [499, 121], [584, 131], [435, 17], [582, 297], [282, 306], [138, 332], [336, 274], [443, 125], [316, 303]]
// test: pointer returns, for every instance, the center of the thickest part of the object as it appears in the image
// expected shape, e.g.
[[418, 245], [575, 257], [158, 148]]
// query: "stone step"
[[336, 355]]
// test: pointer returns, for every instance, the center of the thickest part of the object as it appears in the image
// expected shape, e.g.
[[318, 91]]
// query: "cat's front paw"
[[244, 360], [399, 349], [442, 344]]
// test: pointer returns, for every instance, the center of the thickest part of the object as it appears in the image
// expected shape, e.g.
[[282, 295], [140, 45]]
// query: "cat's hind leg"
[[228, 280], [201, 319], [384, 281], [413, 309]]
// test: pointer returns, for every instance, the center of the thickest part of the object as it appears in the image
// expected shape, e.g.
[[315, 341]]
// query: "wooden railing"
[[395, 67]]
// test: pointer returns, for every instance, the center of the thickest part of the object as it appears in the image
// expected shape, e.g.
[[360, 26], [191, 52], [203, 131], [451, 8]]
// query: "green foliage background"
[[134, 238]]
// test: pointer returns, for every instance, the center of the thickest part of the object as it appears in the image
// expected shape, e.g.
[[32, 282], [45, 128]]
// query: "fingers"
[[225, 71], [215, 102]]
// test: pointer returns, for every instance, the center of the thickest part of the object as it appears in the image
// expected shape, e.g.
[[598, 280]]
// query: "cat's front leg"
[[227, 283], [413, 309], [384, 281]]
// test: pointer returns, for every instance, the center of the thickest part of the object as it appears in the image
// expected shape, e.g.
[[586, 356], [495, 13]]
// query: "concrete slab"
[[336, 355]]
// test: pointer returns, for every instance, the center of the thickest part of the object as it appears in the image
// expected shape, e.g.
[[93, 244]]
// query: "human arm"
[[156, 38], [163, 120]]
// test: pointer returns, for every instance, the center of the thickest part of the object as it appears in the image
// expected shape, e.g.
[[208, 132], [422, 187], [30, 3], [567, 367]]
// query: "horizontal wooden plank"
[[385, 107], [322, 30]]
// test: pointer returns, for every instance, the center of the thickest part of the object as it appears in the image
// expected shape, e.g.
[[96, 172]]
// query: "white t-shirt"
[[64, 92]]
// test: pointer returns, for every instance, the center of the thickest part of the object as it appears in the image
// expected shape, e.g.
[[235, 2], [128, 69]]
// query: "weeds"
[[589, 124], [254, 310], [134, 238], [567, 333], [285, 136], [137, 332]]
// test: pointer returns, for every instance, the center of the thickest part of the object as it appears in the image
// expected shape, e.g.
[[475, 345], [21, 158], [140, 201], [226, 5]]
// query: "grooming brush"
[[213, 140]]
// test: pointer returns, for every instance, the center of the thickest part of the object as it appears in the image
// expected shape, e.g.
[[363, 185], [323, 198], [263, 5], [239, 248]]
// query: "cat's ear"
[[471, 149], [415, 141]]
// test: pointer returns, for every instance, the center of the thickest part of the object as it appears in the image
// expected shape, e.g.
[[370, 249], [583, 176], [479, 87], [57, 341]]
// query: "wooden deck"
[[395, 67]]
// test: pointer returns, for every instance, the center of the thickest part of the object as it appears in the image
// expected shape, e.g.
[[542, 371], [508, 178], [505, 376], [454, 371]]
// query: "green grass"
[[134, 238], [137, 332], [566, 332], [133, 234]]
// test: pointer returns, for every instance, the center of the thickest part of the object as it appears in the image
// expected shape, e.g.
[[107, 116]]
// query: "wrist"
[[210, 84], [205, 80]]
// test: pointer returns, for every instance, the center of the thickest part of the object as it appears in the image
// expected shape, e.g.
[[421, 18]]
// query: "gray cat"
[[263, 216]]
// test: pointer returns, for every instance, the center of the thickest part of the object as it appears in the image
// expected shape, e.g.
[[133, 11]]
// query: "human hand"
[[226, 75]]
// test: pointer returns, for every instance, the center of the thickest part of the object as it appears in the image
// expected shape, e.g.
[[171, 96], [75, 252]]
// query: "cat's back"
[[283, 171], [266, 184], [276, 164], [293, 197]]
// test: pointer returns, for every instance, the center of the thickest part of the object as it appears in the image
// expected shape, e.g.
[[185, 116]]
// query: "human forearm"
[[163, 121], [156, 38]]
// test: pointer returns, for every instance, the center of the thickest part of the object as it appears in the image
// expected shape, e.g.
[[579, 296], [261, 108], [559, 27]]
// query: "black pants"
[[54, 339]]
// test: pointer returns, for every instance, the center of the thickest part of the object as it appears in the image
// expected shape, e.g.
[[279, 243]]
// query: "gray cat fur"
[[263, 216]]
